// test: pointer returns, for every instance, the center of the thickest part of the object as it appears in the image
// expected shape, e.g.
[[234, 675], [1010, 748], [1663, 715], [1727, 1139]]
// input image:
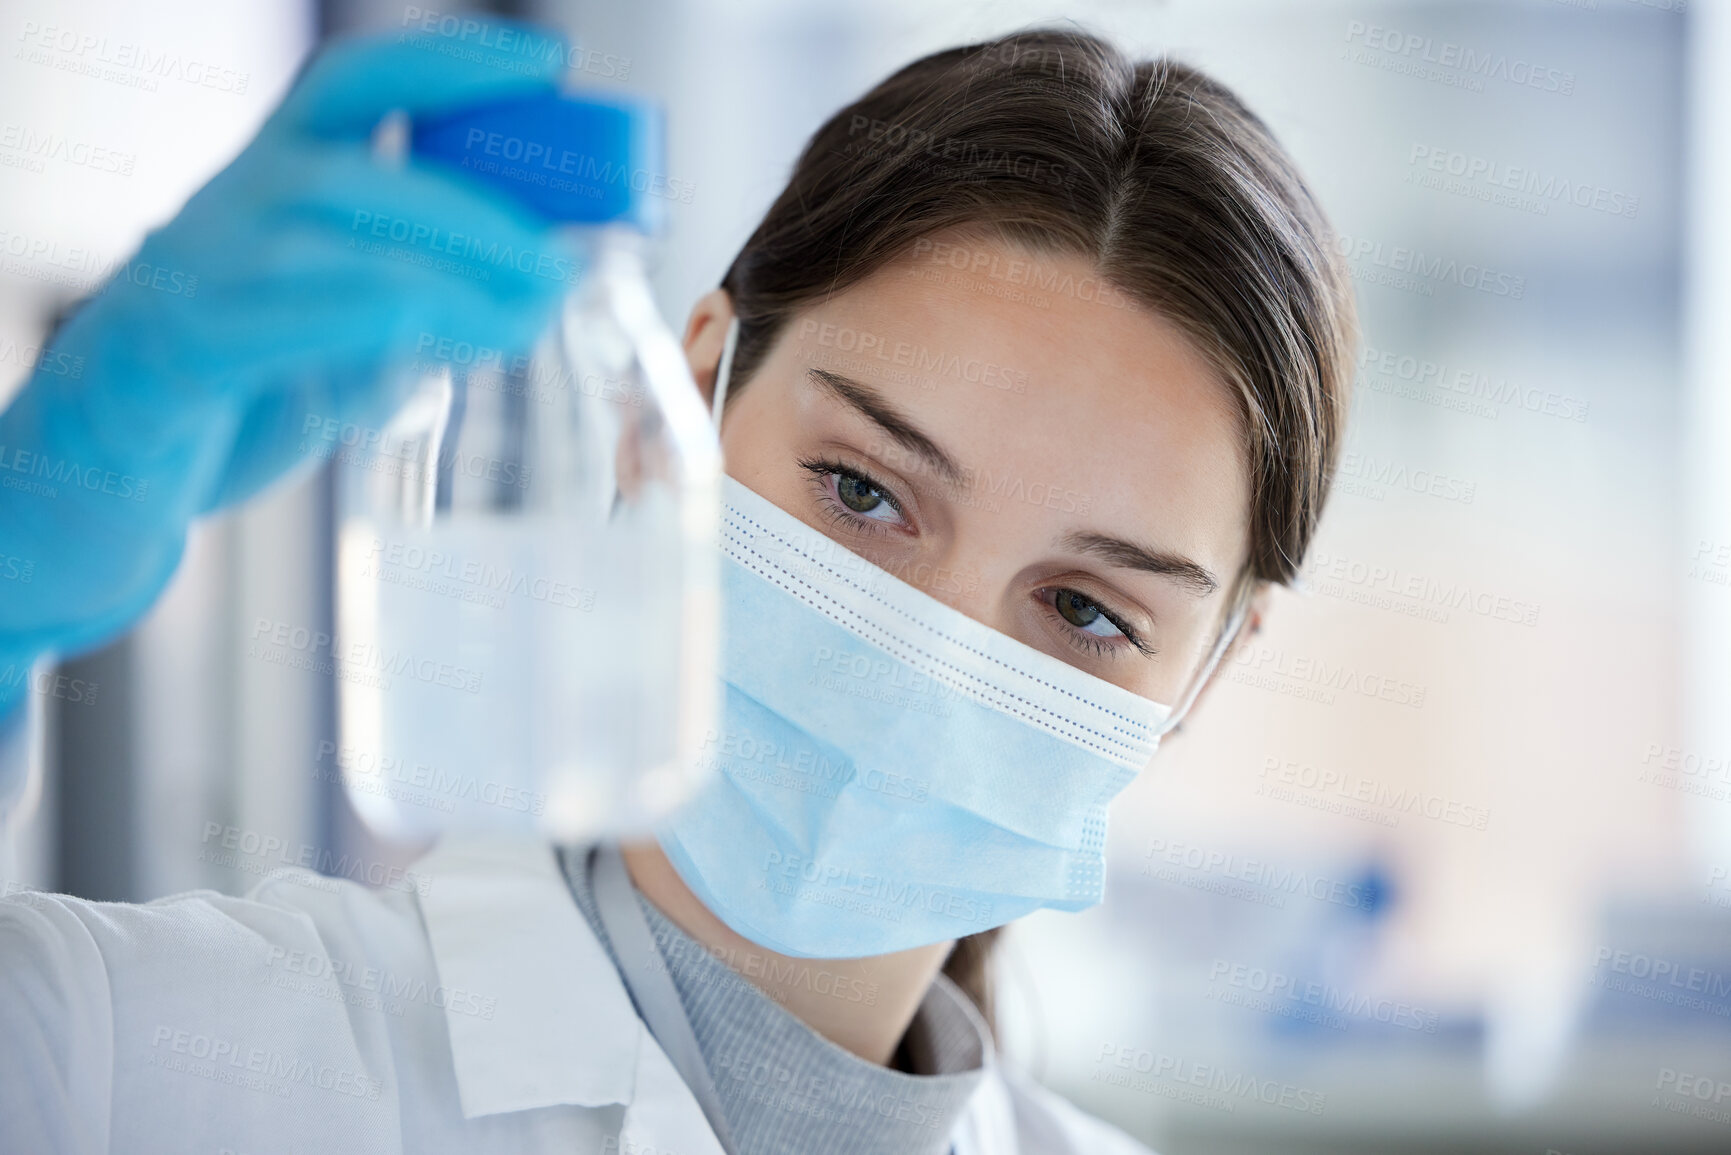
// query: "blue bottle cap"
[[580, 159]]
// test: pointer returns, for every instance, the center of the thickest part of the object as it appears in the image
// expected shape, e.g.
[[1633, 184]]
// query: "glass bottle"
[[528, 611]]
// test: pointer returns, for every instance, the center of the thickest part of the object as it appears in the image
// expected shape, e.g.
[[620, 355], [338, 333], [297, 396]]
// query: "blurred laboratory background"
[[1443, 862]]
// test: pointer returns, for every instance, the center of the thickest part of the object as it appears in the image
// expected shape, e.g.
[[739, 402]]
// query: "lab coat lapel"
[[664, 1115], [504, 927], [988, 1127]]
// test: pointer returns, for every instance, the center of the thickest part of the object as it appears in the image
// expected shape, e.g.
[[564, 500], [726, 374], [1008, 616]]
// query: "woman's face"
[[1018, 441]]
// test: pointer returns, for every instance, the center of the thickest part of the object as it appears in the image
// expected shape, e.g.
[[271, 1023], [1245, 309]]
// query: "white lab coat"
[[474, 1012]]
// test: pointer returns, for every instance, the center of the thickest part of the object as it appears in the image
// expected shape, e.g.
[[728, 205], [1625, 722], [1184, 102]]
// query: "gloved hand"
[[280, 295]]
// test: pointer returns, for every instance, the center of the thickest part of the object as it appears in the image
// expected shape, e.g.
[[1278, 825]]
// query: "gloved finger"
[[421, 209], [336, 306], [227, 235], [297, 268], [352, 84], [338, 413], [340, 405], [141, 431]]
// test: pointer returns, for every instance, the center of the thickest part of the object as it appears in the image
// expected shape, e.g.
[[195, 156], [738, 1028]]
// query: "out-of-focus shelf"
[[1422, 1103]]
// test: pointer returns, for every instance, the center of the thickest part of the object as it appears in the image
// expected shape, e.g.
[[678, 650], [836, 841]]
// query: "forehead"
[[1031, 370]]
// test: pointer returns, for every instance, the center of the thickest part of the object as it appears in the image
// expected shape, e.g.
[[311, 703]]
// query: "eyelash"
[[822, 469], [1099, 645]]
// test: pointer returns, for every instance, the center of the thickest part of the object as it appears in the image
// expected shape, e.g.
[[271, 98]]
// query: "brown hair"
[[1054, 141]]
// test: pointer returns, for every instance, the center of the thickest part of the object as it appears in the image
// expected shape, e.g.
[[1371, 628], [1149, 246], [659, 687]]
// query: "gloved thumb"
[[350, 86]]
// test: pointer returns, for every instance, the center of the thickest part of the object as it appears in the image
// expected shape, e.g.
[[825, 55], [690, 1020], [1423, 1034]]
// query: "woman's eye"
[[850, 494], [1085, 615], [860, 495]]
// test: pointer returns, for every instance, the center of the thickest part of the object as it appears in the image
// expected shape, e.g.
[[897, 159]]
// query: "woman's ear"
[[705, 335]]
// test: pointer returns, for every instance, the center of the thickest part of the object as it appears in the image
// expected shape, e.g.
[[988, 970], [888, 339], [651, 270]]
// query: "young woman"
[[1037, 382]]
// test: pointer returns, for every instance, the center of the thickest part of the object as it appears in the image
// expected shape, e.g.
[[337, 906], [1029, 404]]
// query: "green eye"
[[857, 493], [854, 497], [1077, 610], [1085, 615]]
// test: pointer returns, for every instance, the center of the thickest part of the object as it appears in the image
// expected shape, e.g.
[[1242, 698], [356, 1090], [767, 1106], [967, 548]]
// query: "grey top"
[[784, 1088]]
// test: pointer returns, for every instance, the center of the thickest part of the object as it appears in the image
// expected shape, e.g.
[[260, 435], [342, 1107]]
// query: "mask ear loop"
[[1228, 633], [724, 372]]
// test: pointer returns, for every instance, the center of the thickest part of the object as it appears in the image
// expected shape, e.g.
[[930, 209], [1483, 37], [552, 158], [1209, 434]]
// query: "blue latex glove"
[[317, 269]]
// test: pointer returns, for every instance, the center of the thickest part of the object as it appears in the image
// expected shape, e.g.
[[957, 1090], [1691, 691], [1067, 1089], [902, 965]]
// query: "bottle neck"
[[610, 246]]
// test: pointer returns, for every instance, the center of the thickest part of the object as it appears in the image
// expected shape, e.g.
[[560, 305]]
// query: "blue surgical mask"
[[892, 773]]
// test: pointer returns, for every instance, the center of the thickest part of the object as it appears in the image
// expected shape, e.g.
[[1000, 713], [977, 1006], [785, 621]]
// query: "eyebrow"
[[1119, 552], [887, 417]]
